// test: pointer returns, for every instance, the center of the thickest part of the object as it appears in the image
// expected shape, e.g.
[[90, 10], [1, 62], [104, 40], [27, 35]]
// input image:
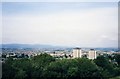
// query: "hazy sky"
[[63, 23], [60, 0]]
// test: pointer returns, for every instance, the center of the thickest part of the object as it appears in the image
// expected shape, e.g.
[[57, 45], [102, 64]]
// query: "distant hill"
[[50, 46], [27, 46]]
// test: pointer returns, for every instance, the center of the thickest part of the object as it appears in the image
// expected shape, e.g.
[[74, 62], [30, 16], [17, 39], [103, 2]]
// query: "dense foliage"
[[45, 66]]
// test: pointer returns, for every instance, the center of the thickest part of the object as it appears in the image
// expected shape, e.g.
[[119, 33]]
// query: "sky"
[[59, 0], [83, 24]]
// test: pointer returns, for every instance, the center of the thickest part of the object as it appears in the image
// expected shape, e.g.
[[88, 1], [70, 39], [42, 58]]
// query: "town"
[[59, 53]]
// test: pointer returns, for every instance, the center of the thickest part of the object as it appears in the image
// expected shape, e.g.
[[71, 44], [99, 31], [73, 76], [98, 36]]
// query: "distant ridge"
[[28, 46], [41, 46]]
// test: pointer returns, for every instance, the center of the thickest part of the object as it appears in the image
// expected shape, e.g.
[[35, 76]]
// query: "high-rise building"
[[92, 54], [77, 53]]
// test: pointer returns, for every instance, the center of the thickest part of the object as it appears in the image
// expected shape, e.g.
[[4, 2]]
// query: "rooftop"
[[77, 48], [91, 49]]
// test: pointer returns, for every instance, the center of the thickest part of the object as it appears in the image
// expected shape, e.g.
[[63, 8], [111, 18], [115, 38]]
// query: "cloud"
[[85, 28]]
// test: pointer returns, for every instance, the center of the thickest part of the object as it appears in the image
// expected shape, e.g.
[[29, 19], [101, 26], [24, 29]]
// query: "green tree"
[[39, 63], [61, 69], [87, 68], [107, 67], [117, 58], [21, 74], [72, 68], [24, 67], [8, 72], [42, 60]]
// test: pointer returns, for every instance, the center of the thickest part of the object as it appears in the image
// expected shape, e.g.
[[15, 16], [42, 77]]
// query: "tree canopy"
[[45, 66]]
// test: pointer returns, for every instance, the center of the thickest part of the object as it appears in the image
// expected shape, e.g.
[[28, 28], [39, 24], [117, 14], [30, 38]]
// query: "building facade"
[[92, 54], [77, 53]]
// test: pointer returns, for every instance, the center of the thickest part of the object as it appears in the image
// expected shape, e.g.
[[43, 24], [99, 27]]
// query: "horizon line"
[[53, 45]]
